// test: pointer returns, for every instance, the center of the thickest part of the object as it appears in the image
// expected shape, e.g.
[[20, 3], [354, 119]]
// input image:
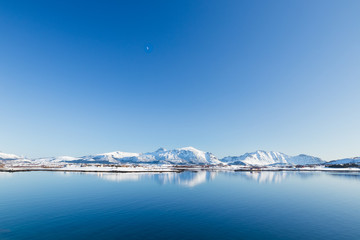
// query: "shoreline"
[[170, 169]]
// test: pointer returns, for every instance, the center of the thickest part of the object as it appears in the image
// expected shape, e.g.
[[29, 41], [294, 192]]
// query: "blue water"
[[189, 205]]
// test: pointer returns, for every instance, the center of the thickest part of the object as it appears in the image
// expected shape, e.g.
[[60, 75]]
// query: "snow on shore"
[[166, 168]]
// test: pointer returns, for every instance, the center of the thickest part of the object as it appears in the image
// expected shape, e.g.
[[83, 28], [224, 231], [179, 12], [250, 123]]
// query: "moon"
[[148, 48]]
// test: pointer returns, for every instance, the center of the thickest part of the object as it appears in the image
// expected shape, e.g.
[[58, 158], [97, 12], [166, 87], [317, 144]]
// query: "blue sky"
[[223, 76]]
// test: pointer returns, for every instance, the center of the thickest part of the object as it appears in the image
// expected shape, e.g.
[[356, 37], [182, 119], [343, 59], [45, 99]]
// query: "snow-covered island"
[[176, 160]]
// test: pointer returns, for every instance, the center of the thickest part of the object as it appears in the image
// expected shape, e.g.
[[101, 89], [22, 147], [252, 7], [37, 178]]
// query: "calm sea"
[[188, 205]]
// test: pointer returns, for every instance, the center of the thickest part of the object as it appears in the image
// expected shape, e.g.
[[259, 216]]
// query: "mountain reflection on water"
[[187, 178], [188, 205], [194, 178]]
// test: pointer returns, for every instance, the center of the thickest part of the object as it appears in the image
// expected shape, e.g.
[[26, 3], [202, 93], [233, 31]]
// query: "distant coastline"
[[186, 156], [175, 169]]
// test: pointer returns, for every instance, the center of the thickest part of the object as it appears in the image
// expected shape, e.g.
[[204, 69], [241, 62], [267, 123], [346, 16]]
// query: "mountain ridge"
[[264, 158], [183, 156]]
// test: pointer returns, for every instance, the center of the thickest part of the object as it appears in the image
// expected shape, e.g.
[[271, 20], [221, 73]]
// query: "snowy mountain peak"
[[192, 149], [180, 156], [7, 156], [161, 149], [263, 158], [354, 160], [111, 157]]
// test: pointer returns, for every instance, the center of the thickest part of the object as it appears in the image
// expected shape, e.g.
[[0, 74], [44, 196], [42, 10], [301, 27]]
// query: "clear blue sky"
[[229, 77]]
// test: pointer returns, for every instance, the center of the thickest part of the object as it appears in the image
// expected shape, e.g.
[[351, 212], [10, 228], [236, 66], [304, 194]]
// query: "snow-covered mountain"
[[13, 159], [181, 156], [355, 160], [6, 156], [264, 158], [111, 157]]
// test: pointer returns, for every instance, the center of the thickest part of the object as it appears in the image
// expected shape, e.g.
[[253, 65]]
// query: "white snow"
[[6, 156], [184, 156], [264, 158], [112, 157], [355, 160], [187, 156]]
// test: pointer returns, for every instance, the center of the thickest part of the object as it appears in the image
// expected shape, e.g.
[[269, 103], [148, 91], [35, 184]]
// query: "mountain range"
[[181, 156]]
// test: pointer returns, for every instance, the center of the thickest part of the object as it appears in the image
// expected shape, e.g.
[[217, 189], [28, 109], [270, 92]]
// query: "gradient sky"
[[228, 77]]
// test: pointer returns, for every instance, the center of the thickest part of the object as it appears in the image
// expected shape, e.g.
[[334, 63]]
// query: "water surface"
[[188, 205]]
